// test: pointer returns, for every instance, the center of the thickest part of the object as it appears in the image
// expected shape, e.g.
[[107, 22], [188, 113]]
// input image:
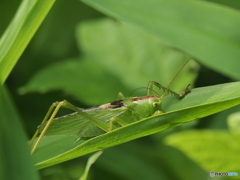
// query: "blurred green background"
[[74, 36]]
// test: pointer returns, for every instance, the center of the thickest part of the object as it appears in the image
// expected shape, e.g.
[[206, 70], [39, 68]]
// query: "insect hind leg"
[[49, 116]]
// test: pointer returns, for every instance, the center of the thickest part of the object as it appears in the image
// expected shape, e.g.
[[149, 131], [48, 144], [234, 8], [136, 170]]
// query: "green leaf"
[[128, 51], [216, 151], [14, 154], [207, 31], [199, 103], [128, 59], [28, 18], [78, 78], [132, 161], [233, 121], [91, 160]]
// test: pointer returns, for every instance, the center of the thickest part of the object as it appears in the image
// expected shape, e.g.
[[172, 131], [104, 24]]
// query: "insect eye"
[[155, 104]]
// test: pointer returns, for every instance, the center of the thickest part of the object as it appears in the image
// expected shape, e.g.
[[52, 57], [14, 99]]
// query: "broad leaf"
[[214, 150], [207, 31], [128, 59]]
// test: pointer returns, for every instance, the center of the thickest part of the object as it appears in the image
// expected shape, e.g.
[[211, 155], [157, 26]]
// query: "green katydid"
[[94, 121]]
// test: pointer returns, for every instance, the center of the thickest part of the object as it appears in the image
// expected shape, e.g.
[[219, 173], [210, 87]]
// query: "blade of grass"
[[14, 154], [199, 103], [91, 160], [28, 18]]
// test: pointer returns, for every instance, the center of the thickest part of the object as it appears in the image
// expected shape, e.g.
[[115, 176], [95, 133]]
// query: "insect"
[[94, 121]]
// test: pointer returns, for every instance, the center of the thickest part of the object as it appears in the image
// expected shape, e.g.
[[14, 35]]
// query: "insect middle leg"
[[118, 120]]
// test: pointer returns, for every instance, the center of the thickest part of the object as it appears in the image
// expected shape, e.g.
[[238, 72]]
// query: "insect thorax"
[[143, 107]]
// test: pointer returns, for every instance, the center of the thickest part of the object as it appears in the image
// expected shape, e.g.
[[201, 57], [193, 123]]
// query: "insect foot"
[[157, 112], [185, 92]]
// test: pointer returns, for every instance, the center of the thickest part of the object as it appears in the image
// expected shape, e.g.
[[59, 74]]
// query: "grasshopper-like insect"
[[94, 121]]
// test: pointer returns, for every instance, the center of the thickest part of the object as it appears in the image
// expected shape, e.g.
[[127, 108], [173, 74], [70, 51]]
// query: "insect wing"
[[76, 125]]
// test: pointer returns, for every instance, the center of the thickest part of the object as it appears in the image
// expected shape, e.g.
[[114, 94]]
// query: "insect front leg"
[[166, 90], [185, 92]]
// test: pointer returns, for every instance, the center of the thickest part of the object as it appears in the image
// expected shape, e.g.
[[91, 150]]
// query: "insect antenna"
[[167, 90]]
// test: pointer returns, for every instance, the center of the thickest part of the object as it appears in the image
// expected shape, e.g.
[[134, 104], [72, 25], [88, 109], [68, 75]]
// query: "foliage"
[[88, 62]]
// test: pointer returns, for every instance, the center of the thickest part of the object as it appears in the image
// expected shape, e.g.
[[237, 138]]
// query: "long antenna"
[[175, 77]]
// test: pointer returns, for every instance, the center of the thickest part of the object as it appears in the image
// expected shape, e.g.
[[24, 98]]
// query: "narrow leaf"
[[91, 160], [199, 103], [27, 19], [16, 162]]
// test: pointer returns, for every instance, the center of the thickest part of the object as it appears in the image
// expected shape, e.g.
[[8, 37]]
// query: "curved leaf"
[[199, 103], [207, 31], [91, 160]]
